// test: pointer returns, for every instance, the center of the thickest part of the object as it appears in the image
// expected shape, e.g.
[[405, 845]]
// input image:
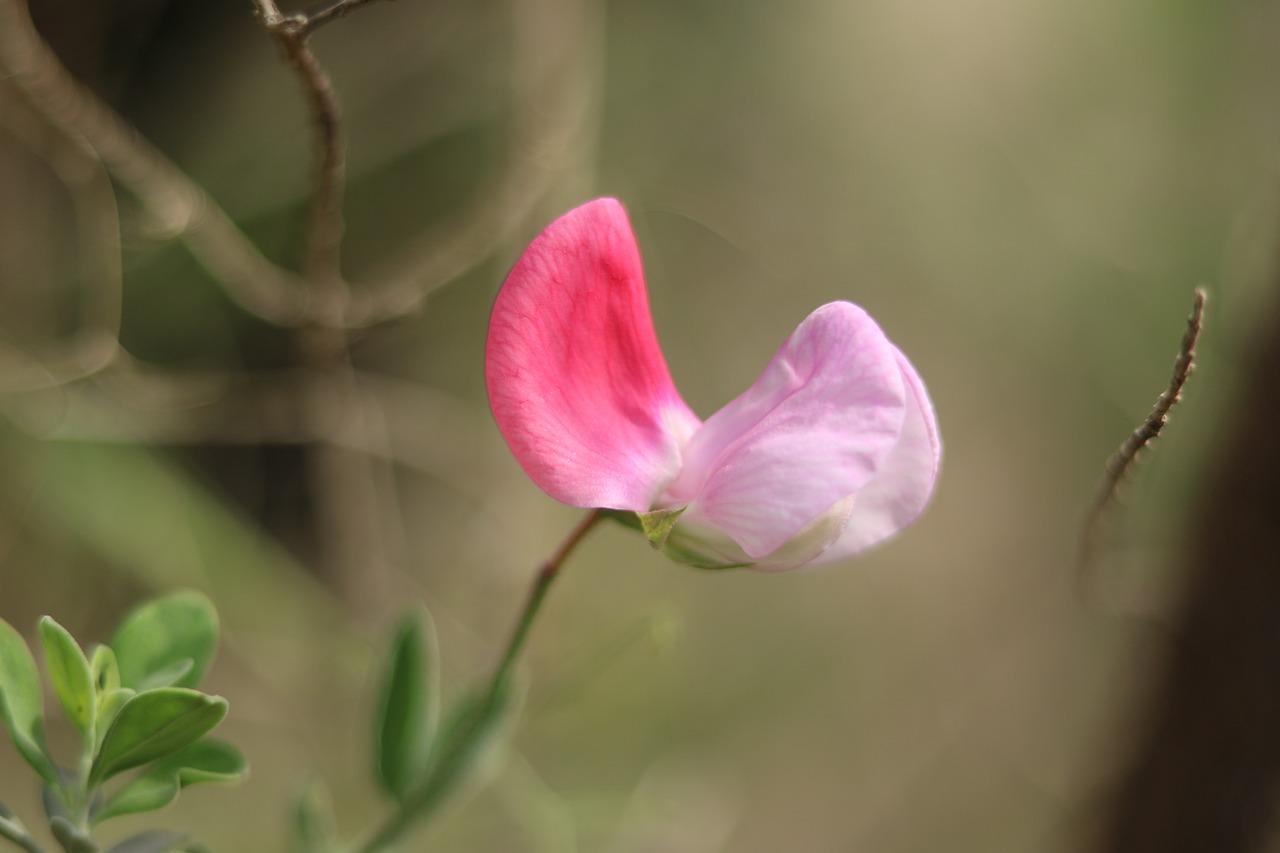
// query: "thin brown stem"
[[322, 264], [332, 11], [1123, 459]]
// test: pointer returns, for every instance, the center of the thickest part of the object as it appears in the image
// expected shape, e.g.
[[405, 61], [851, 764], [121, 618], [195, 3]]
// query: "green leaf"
[[71, 839], [168, 676], [109, 704], [313, 825], [153, 725], [106, 672], [71, 676], [21, 706], [155, 641], [203, 761], [409, 708], [151, 841]]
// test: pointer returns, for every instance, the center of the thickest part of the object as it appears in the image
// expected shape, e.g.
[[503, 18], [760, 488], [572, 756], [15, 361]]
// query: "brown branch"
[[180, 207], [1123, 459], [322, 264], [1205, 771], [329, 12]]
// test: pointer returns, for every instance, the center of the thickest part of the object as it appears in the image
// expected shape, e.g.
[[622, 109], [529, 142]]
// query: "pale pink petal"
[[902, 486], [814, 428], [576, 379]]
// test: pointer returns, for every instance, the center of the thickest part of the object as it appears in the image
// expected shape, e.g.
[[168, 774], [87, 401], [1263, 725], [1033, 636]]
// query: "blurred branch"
[[95, 345], [1207, 768], [553, 56], [180, 207], [1124, 458]]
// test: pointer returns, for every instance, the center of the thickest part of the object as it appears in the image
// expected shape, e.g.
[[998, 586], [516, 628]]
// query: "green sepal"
[[652, 525], [687, 556], [152, 841], [203, 761], [657, 525], [71, 676], [410, 706], [71, 839], [155, 640], [153, 725], [21, 705]]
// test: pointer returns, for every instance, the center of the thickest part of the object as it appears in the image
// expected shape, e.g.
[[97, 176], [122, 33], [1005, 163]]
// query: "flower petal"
[[902, 486], [813, 429], [577, 382]]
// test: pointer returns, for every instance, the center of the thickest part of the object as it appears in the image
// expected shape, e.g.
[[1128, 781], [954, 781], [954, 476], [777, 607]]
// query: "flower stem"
[[480, 716], [546, 575]]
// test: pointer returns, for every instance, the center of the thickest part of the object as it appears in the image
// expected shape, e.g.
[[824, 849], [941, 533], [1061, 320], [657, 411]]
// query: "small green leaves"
[[155, 724], [168, 641], [202, 761], [20, 704], [129, 716], [71, 676], [409, 708]]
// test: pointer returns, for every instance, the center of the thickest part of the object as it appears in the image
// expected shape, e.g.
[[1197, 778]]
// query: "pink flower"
[[833, 449]]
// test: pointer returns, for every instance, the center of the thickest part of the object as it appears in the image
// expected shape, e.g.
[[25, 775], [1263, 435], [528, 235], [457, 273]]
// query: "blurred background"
[[1023, 194]]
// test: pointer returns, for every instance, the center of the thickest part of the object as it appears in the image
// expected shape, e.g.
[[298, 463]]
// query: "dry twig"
[[332, 11], [1123, 459], [322, 264]]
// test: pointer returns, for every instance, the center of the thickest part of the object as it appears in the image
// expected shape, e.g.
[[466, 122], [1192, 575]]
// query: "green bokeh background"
[[1023, 194]]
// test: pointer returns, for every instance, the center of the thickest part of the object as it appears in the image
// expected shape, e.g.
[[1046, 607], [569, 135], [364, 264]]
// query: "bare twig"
[[318, 17], [1123, 459], [322, 264], [181, 208]]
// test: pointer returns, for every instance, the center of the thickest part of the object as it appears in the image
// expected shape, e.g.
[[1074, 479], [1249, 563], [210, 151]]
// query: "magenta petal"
[[904, 483], [576, 379], [813, 429]]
